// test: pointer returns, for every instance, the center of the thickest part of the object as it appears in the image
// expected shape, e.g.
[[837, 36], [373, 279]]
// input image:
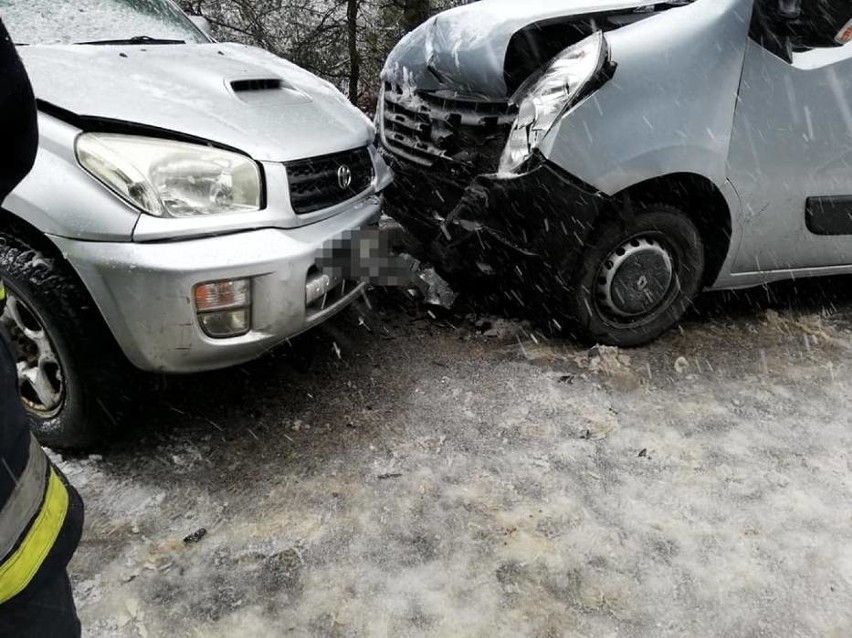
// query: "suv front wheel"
[[69, 368]]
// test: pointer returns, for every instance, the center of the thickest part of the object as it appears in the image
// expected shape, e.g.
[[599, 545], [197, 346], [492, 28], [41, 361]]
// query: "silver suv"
[[182, 194], [606, 160]]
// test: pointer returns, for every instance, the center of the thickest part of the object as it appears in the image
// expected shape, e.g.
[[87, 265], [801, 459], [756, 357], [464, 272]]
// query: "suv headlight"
[[171, 179], [545, 98]]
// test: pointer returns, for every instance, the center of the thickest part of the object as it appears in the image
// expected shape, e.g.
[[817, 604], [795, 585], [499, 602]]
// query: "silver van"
[[182, 194], [605, 160]]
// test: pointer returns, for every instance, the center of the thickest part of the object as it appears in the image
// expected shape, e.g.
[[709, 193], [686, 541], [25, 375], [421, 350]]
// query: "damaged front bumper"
[[526, 230]]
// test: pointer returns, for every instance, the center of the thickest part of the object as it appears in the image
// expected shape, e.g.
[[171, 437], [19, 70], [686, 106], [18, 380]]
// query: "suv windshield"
[[76, 21]]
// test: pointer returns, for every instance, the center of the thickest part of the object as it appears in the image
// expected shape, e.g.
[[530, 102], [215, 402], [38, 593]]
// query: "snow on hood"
[[468, 44], [187, 88]]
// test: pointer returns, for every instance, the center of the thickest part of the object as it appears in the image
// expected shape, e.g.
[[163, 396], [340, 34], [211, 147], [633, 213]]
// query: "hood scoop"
[[257, 84], [266, 90]]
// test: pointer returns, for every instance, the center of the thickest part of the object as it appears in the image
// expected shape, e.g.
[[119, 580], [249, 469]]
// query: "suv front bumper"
[[145, 290]]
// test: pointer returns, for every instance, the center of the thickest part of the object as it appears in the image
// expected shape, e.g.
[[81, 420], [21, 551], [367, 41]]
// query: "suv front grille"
[[424, 127], [318, 182]]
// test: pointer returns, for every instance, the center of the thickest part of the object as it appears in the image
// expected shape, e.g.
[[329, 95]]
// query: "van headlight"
[[546, 97], [171, 179]]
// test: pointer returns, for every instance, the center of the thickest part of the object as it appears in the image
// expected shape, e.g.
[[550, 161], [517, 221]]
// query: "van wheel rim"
[[635, 279], [40, 374]]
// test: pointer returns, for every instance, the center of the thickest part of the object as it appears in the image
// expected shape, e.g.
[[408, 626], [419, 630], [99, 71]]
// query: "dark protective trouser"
[[46, 608], [47, 613]]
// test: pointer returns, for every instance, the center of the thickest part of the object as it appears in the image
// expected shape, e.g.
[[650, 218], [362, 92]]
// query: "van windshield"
[[77, 21]]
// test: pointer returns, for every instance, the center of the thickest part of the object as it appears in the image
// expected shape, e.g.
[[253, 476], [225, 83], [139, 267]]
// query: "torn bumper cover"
[[526, 230]]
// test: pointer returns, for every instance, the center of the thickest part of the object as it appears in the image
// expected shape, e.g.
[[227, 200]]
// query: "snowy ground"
[[438, 478]]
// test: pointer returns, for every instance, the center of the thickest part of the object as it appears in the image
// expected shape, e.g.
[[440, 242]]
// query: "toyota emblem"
[[344, 177]]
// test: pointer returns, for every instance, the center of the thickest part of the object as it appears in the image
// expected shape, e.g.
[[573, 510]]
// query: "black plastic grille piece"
[[424, 127], [407, 127], [321, 182]]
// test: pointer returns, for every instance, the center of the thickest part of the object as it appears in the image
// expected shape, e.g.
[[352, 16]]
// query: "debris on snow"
[[196, 536], [611, 363], [498, 328]]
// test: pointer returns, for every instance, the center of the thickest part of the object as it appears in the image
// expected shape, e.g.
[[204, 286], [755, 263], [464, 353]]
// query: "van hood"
[[465, 49], [233, 95]]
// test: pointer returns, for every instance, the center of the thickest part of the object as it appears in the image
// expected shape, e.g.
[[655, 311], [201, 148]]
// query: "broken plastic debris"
[[431, 285], [436, 291], [485, 268]]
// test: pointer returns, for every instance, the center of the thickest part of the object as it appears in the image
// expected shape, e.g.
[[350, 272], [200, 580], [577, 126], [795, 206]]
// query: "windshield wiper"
[[136, 39]]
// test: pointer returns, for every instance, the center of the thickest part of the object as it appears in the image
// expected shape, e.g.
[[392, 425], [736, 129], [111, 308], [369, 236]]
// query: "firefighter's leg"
[[48, 612]]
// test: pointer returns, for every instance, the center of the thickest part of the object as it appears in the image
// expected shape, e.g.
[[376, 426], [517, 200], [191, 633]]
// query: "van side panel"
[[791, 155], [670, 106]]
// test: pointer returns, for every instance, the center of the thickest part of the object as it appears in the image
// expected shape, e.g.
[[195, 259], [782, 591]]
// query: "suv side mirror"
[[203, 25]]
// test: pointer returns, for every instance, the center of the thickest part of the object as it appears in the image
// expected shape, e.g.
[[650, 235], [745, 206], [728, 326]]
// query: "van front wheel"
[[638, 277]]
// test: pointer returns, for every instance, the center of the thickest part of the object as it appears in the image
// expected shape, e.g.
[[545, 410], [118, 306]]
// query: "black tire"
[[595, 315], [90, 376]]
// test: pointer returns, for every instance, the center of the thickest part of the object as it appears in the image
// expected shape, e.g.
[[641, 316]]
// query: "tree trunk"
[[354, 56]]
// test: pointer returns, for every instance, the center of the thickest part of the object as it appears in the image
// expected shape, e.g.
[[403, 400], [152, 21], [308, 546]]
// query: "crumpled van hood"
[[188, 89], [465, 48]]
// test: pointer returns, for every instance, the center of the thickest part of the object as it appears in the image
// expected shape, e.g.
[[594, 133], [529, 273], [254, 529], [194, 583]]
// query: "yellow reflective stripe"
[[2, 292], [25, 500], [20, 568]]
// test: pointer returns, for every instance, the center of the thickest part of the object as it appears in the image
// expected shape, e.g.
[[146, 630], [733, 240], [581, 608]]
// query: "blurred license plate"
[[362, 255]]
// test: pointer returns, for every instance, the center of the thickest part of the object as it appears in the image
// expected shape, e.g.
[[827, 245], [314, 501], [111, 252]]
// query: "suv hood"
[[465, 49], [233, 95]]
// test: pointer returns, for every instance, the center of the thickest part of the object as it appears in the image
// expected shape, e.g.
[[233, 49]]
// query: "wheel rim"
[[40, 375], [635, 280]]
